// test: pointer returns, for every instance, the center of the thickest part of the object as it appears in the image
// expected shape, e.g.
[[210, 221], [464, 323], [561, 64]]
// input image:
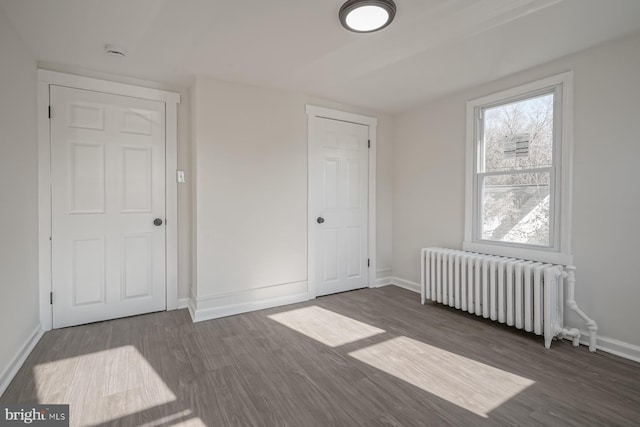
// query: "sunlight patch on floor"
[[192, 422], [326, 326], [183, 419], [472, 385], [103, 386]]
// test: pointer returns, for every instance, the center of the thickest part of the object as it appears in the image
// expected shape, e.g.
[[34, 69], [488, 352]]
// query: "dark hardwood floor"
[[369, 357]]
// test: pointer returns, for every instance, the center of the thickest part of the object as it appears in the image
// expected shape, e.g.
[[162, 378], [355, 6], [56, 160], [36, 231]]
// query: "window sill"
[[513, 252]]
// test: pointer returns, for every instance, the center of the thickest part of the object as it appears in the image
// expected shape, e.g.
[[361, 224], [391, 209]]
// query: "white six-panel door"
[[107, 188], [339, 204]]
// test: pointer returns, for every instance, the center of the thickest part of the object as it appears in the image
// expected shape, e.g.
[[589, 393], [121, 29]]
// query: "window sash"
[[479, 213]]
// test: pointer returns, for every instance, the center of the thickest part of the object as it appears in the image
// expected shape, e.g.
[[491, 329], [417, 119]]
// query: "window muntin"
[[516, 170]]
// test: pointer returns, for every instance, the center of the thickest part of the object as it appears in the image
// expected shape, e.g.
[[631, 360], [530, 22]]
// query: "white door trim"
[[372, 122], [171, 100]]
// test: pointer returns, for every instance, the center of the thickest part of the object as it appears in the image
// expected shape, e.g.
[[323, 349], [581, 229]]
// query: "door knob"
[[157, 222], [320, 220]]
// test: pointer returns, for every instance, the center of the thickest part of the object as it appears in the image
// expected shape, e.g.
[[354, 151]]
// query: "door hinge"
[[51, 298], [368, 142], [49, 112], [368, 262]]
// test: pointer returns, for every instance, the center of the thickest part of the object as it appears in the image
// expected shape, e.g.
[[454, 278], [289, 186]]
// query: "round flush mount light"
[[367, 16], [115, 50]]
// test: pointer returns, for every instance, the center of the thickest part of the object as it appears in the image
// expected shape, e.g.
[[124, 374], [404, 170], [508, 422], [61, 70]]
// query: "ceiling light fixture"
[[367, 16]]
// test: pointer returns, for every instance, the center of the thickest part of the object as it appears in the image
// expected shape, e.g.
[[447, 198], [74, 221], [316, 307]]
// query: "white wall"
[[251, 193], [251, 187], [184, 195], [428, 183], [18, 195]]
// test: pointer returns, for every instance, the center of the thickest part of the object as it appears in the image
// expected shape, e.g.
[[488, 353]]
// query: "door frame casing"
[[314, 112], [171, 100]]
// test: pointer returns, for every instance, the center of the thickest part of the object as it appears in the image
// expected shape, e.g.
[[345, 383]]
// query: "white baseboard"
[[192, 309], [383, 273], [406, 284], [222, 305], [19, 358], [613, 346], [401, 283], [383, 281], [183, 303]]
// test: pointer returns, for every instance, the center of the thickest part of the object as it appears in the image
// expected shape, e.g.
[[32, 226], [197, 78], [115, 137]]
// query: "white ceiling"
[[432, 48]]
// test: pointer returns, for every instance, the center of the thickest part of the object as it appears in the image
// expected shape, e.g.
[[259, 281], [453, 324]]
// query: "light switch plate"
[[180, 177]]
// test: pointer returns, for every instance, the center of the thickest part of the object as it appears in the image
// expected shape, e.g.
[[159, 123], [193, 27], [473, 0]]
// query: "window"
[[518, 172]]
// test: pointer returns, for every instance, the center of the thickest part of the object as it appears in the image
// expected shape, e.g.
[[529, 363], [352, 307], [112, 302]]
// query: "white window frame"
[[559, 252]]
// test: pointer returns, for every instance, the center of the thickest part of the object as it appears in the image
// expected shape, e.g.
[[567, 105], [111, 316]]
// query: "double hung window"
[[518, 172]]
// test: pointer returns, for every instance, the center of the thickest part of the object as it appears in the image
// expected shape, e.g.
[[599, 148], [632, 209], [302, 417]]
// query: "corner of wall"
[[19, 358], [19, 305], [193, 97]]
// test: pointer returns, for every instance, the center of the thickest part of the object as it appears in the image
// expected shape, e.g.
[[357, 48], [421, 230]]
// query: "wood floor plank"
[[372, 357]]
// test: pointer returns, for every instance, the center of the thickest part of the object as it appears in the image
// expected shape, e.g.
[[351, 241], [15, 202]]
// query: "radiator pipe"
[[570, 275], [573, 334]]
